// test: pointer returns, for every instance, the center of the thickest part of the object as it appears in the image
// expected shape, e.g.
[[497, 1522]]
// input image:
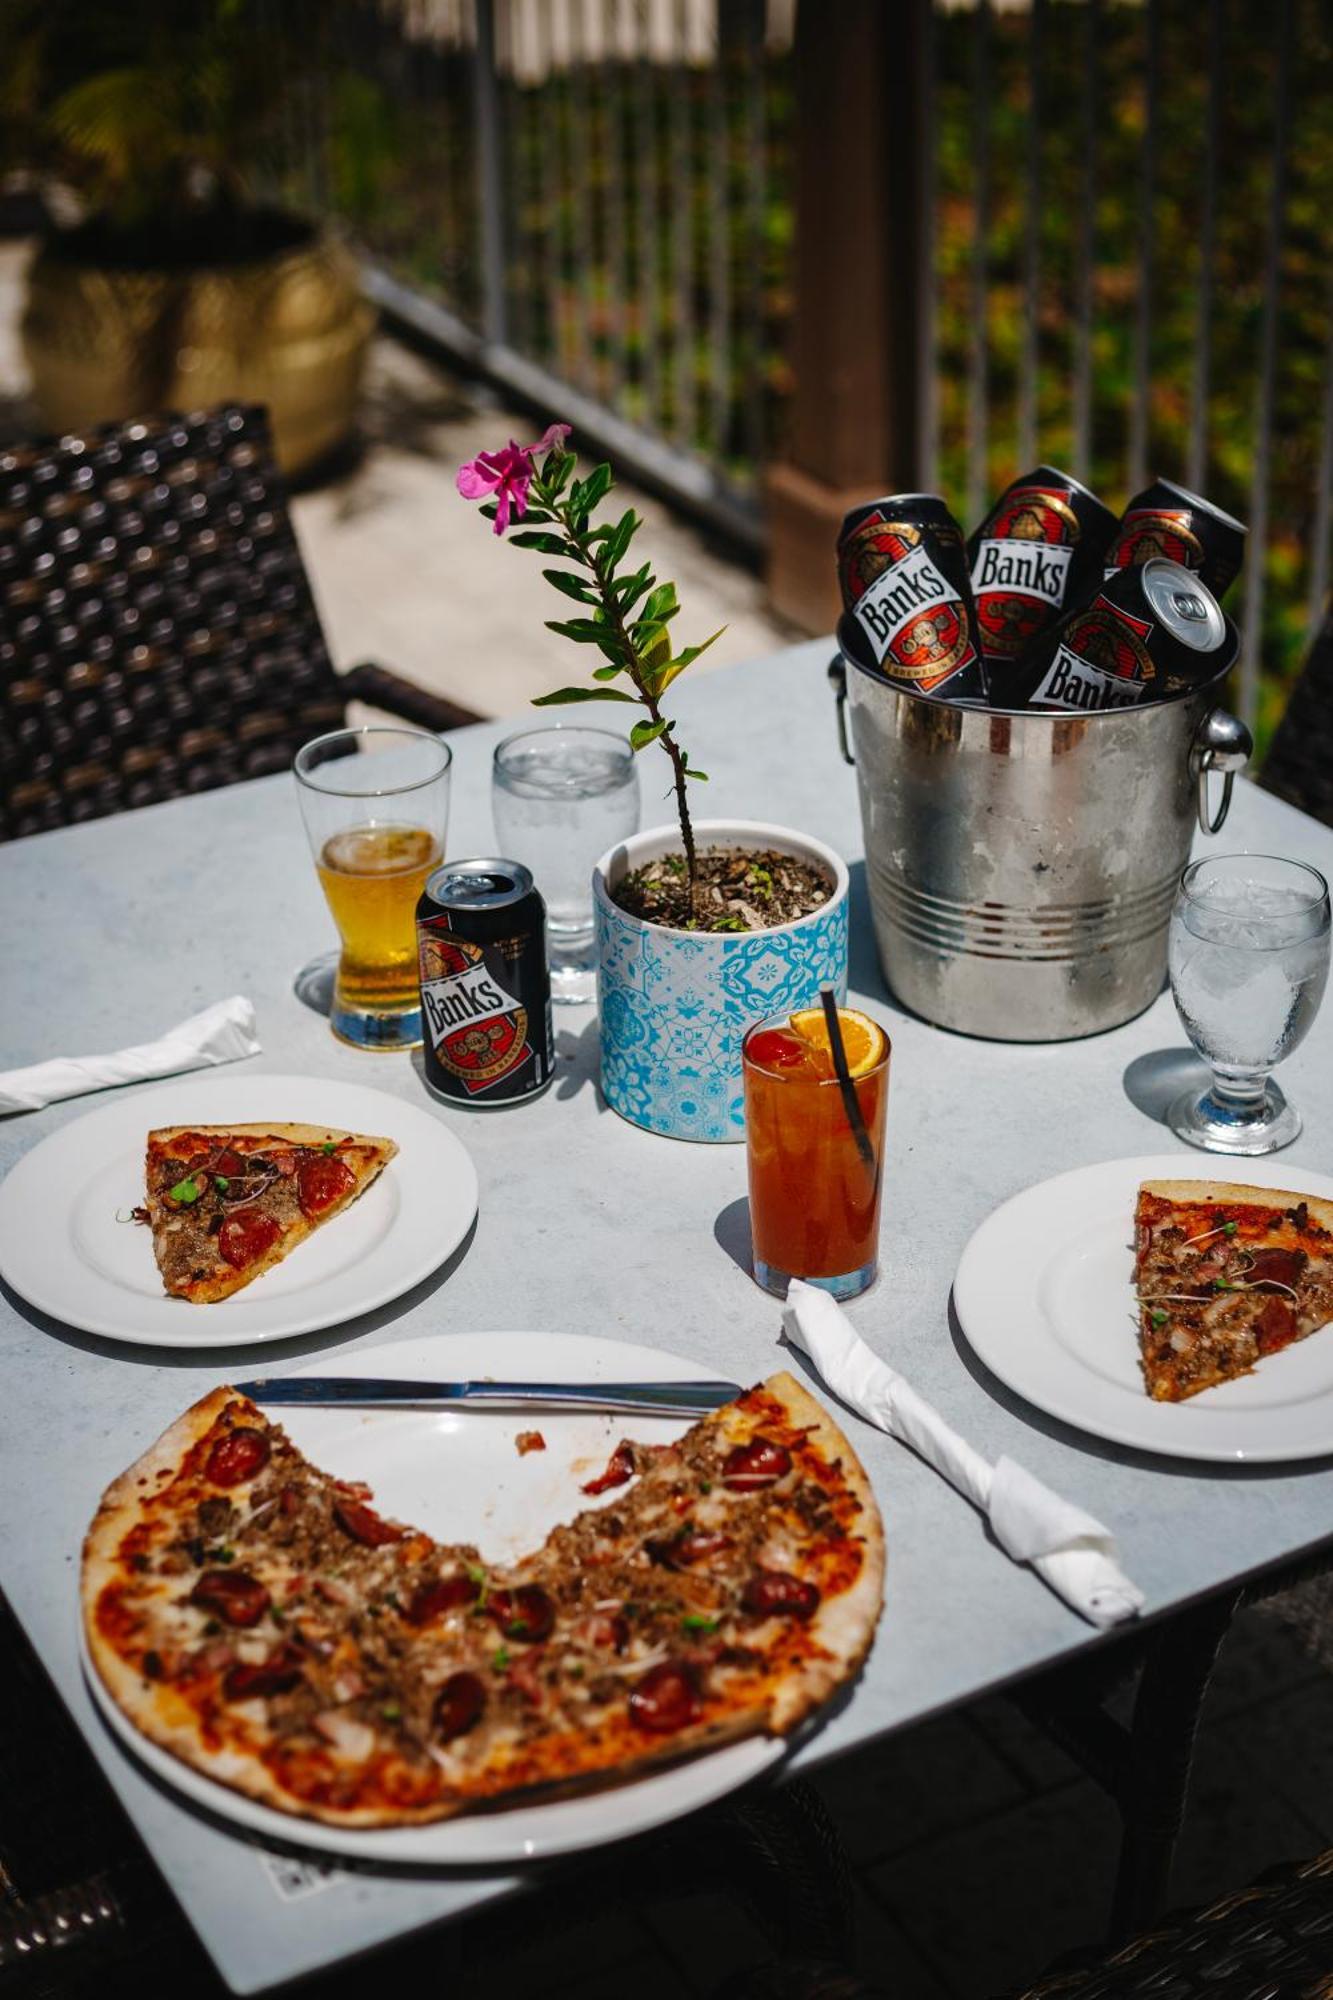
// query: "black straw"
[[851, 1102]]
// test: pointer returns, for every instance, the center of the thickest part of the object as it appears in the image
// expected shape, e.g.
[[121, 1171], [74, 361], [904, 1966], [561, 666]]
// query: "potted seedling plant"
[[703, 926]]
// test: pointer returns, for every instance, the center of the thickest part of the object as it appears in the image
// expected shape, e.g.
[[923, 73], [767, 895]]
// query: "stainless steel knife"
[[671, 1399]]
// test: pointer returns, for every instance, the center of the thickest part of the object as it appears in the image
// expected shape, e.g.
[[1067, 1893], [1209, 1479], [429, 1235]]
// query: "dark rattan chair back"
[[158, 635], [1299, 764]]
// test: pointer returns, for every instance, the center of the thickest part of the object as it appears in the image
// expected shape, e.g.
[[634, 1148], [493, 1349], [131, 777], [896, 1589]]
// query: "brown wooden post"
[[858, 163]]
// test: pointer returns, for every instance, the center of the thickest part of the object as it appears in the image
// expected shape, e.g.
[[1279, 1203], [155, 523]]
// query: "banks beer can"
[[1039, 551], [903, 572], [1151, 632], [1167, 520], [485, 986]]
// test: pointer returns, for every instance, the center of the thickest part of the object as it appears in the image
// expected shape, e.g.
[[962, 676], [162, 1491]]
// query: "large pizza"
[[263, 1621]]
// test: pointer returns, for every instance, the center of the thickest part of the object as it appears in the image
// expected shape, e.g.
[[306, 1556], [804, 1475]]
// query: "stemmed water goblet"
[[1249, 958]]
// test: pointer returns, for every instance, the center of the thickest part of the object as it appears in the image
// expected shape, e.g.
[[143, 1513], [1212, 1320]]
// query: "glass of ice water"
[[1249, 961], [561, 796]]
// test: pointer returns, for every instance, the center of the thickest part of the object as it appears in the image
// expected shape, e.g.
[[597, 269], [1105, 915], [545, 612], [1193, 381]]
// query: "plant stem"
[[591, 556]]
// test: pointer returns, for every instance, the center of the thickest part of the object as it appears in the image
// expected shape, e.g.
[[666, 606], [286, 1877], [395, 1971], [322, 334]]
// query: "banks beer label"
[[1152, 531], [1102, 662], [914, 618], [1020, 573], [476, 1026]]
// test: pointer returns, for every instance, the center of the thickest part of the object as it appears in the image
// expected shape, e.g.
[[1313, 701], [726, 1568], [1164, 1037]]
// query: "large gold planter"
[[289, 330]]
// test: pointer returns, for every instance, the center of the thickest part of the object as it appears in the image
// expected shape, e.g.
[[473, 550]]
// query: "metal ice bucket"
[[1022, 865]]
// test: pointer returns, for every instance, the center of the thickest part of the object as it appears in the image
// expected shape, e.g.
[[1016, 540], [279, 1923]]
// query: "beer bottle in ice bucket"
[[1040, 550], [1151, 632], [909, 608], [1168, 520]]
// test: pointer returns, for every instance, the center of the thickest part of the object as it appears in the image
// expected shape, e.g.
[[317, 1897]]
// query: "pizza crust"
[[1278, 1199]]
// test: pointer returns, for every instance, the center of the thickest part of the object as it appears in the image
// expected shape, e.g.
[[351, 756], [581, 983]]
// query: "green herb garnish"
[[185, 1192], [1230, 1228], [705, 1485], [328, 1147], [221, 1183], [694, 1621], [1159, 1317], [391, 1711], [222, 1555], [478, 1576], [1222, 1284], [500, 1659]]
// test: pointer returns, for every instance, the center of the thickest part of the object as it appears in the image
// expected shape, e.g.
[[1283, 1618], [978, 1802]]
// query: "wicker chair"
[[1299, 764], [158, 635]]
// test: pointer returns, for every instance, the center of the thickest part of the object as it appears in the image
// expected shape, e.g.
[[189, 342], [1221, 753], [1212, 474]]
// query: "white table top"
[[116, 930]]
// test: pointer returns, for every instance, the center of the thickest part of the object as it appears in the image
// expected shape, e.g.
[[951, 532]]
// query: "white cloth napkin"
[[1070, 1551], [222, 1033]]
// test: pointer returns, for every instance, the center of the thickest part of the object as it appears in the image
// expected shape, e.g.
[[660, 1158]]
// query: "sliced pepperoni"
[[458, 1706], [443, 1593], [247, 1236], [240, 1455], [775, 1593], [761, 1462], [1276, 1325], [620, 1469], [228, 1163], [233, 1594], [275, 1675], [322, 1179], [666, 1699], [1275, 1267], [363, 1524], [526, 1613], [692, 1545]]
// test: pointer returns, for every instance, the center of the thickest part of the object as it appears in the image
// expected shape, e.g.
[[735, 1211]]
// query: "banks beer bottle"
[[1039, 551], [1167, 520], [1152, 631], [485, 987], [909, 609]]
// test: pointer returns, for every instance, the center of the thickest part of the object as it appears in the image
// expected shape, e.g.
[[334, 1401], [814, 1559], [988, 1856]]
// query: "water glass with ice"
[[560, 797], [1249, 955]]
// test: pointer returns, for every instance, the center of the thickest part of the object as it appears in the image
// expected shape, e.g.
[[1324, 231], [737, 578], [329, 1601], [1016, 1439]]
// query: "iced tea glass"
[[814, 1197], [375, 803]]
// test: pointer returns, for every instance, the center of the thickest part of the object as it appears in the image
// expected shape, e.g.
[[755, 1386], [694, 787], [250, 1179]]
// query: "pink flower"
[[507, 474]]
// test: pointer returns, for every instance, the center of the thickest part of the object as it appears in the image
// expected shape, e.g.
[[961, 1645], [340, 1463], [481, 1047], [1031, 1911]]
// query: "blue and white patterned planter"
[[675, 1005]]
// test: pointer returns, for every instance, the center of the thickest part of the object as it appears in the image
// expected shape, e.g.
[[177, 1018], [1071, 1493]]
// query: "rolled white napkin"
[[221, 1034], [1070, 1551]]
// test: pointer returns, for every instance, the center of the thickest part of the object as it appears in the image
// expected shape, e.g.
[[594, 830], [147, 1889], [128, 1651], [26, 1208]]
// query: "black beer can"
[[1169, 521], [1040, 550], [1151, 632], [903, 572], [485, 986]]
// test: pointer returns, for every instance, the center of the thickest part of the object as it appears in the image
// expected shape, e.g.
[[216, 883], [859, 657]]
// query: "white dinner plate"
[[1045, 1295], [67, 1246], [458, 1474]]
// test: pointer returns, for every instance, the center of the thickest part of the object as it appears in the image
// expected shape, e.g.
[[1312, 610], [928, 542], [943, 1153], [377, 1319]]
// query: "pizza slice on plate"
[[1225, 1275], [263, 1622], [227, 1202]]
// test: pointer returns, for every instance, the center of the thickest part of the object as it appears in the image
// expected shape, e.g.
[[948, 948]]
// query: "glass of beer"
[[375, 803], [816, 1164]]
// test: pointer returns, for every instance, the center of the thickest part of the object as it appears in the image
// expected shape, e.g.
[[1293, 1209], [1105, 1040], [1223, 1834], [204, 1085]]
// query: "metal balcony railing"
[[1122, 257]]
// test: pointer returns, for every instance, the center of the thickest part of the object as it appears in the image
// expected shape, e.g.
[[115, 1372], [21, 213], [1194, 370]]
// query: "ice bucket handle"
[[837, 673], [1221, 743]]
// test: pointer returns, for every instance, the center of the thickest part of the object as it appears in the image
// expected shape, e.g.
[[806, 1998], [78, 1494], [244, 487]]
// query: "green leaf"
[[587, 492], [489, 509], [644, 733], [557, 471], [652, 643], [584, 631], [608, 673], [546, 544], [185, 1192], [619, 538], [702, 776], [573, 586], [687, 658], [663, 603], [627, 590], [562, 695]]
